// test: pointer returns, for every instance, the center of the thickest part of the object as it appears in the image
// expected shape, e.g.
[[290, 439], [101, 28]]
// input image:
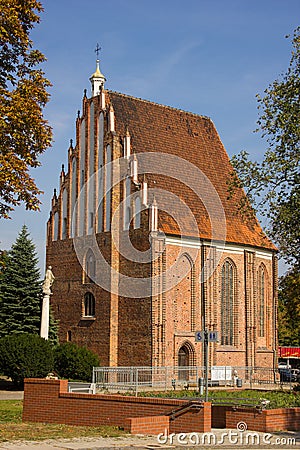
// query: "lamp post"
[[205, 340]]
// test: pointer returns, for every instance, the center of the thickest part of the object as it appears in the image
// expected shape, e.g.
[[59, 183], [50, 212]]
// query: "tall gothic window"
[[127, 209], [73, 197], [137, 212], [55, 234], [64, 228], [108, 187], [227, 304], [89, 305], [261, 281], [90, 267], [64, 213]]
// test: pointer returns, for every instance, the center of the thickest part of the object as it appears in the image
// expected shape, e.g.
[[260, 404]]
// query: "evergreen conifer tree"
[[20, 289]]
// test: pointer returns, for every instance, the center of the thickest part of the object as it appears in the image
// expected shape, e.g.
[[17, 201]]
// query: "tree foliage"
[[24, 133], [75, 363], [289, 309], [25, 356], [272, 185], [3, 260], [21, 291]]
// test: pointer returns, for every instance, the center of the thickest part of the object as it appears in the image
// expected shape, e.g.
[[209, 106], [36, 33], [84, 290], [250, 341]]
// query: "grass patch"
[[10, 411], [12, 427], [278, 399]]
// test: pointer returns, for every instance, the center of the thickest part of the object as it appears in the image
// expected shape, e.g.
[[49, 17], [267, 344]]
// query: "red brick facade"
[[156, 325]]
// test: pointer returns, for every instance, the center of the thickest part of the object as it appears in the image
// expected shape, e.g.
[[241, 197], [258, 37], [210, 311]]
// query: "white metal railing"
[[88, 388], [165, 378]]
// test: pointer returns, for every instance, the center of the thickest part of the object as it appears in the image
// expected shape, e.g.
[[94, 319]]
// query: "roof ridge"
[[173, 108]]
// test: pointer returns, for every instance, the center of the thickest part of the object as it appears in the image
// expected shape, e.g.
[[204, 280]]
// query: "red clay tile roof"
[[158, 128]]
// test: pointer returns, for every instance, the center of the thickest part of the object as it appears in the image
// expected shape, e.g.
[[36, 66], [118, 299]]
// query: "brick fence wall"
[[148, 425], [49, 401], [267, 420]]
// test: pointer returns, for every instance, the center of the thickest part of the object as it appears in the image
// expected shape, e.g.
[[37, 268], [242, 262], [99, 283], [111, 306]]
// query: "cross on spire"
[[97, 50], [97, 79]]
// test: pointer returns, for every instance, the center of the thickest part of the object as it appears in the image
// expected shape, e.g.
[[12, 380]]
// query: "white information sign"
[[221, 373]]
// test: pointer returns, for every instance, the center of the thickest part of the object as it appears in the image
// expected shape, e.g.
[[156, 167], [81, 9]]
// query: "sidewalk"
[[8, 391], [217, 439], [11, 395]]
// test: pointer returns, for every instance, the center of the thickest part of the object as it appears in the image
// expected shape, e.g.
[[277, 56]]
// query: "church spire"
[[97, 79]]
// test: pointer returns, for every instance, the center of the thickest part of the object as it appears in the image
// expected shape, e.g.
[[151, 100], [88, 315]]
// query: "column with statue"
[[48, 281]]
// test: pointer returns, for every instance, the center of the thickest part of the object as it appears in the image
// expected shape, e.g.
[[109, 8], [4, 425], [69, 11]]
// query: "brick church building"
[[146, 246]]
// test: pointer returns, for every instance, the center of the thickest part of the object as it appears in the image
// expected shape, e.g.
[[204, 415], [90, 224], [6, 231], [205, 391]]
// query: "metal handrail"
[[239, 402], [198, 404]]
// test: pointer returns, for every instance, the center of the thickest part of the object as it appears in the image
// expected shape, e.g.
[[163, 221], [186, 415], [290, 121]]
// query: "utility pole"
[[205, 347], [206, 363]]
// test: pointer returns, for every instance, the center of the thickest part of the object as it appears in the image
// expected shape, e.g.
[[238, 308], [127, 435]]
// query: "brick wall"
[[283, 419], [265, 421], [49, 401]]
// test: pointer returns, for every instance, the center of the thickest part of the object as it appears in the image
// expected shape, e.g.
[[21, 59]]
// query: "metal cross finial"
[[97, 50]]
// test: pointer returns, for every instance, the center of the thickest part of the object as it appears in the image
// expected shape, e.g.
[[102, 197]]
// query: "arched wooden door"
[[183, 361]]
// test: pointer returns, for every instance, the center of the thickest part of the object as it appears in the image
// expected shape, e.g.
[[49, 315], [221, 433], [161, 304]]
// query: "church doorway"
[[183, 363]]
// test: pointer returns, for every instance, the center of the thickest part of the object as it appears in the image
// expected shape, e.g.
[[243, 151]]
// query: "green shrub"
[[25, 356], [73, 362]]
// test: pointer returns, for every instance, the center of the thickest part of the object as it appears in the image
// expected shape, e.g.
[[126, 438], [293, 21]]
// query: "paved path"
[[232, 440], [11, 395]]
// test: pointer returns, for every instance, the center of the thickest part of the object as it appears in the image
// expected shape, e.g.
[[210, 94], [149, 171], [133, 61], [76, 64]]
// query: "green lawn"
[[12, 427], [278, 399]]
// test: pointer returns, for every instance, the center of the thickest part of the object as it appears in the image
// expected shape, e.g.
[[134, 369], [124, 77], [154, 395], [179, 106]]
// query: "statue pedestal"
[[45, 317]]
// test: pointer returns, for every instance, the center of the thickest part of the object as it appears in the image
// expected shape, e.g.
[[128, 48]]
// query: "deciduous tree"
[[24, 133], [289, 309], [272, 185]]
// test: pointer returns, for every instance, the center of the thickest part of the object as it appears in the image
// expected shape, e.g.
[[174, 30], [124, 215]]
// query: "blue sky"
[[210, 57]]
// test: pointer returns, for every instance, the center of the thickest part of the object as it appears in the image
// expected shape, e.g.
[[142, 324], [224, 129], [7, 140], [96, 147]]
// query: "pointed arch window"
[[64, 213], [137, 212], [227, 303], [261, 284], [108, 186], [64, 229], [55, 234], [127, 209], [90, 267], [89, 305], [73, 197]]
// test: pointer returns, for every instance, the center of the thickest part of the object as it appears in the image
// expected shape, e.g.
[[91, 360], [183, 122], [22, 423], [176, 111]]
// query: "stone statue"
[[49, 278]]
